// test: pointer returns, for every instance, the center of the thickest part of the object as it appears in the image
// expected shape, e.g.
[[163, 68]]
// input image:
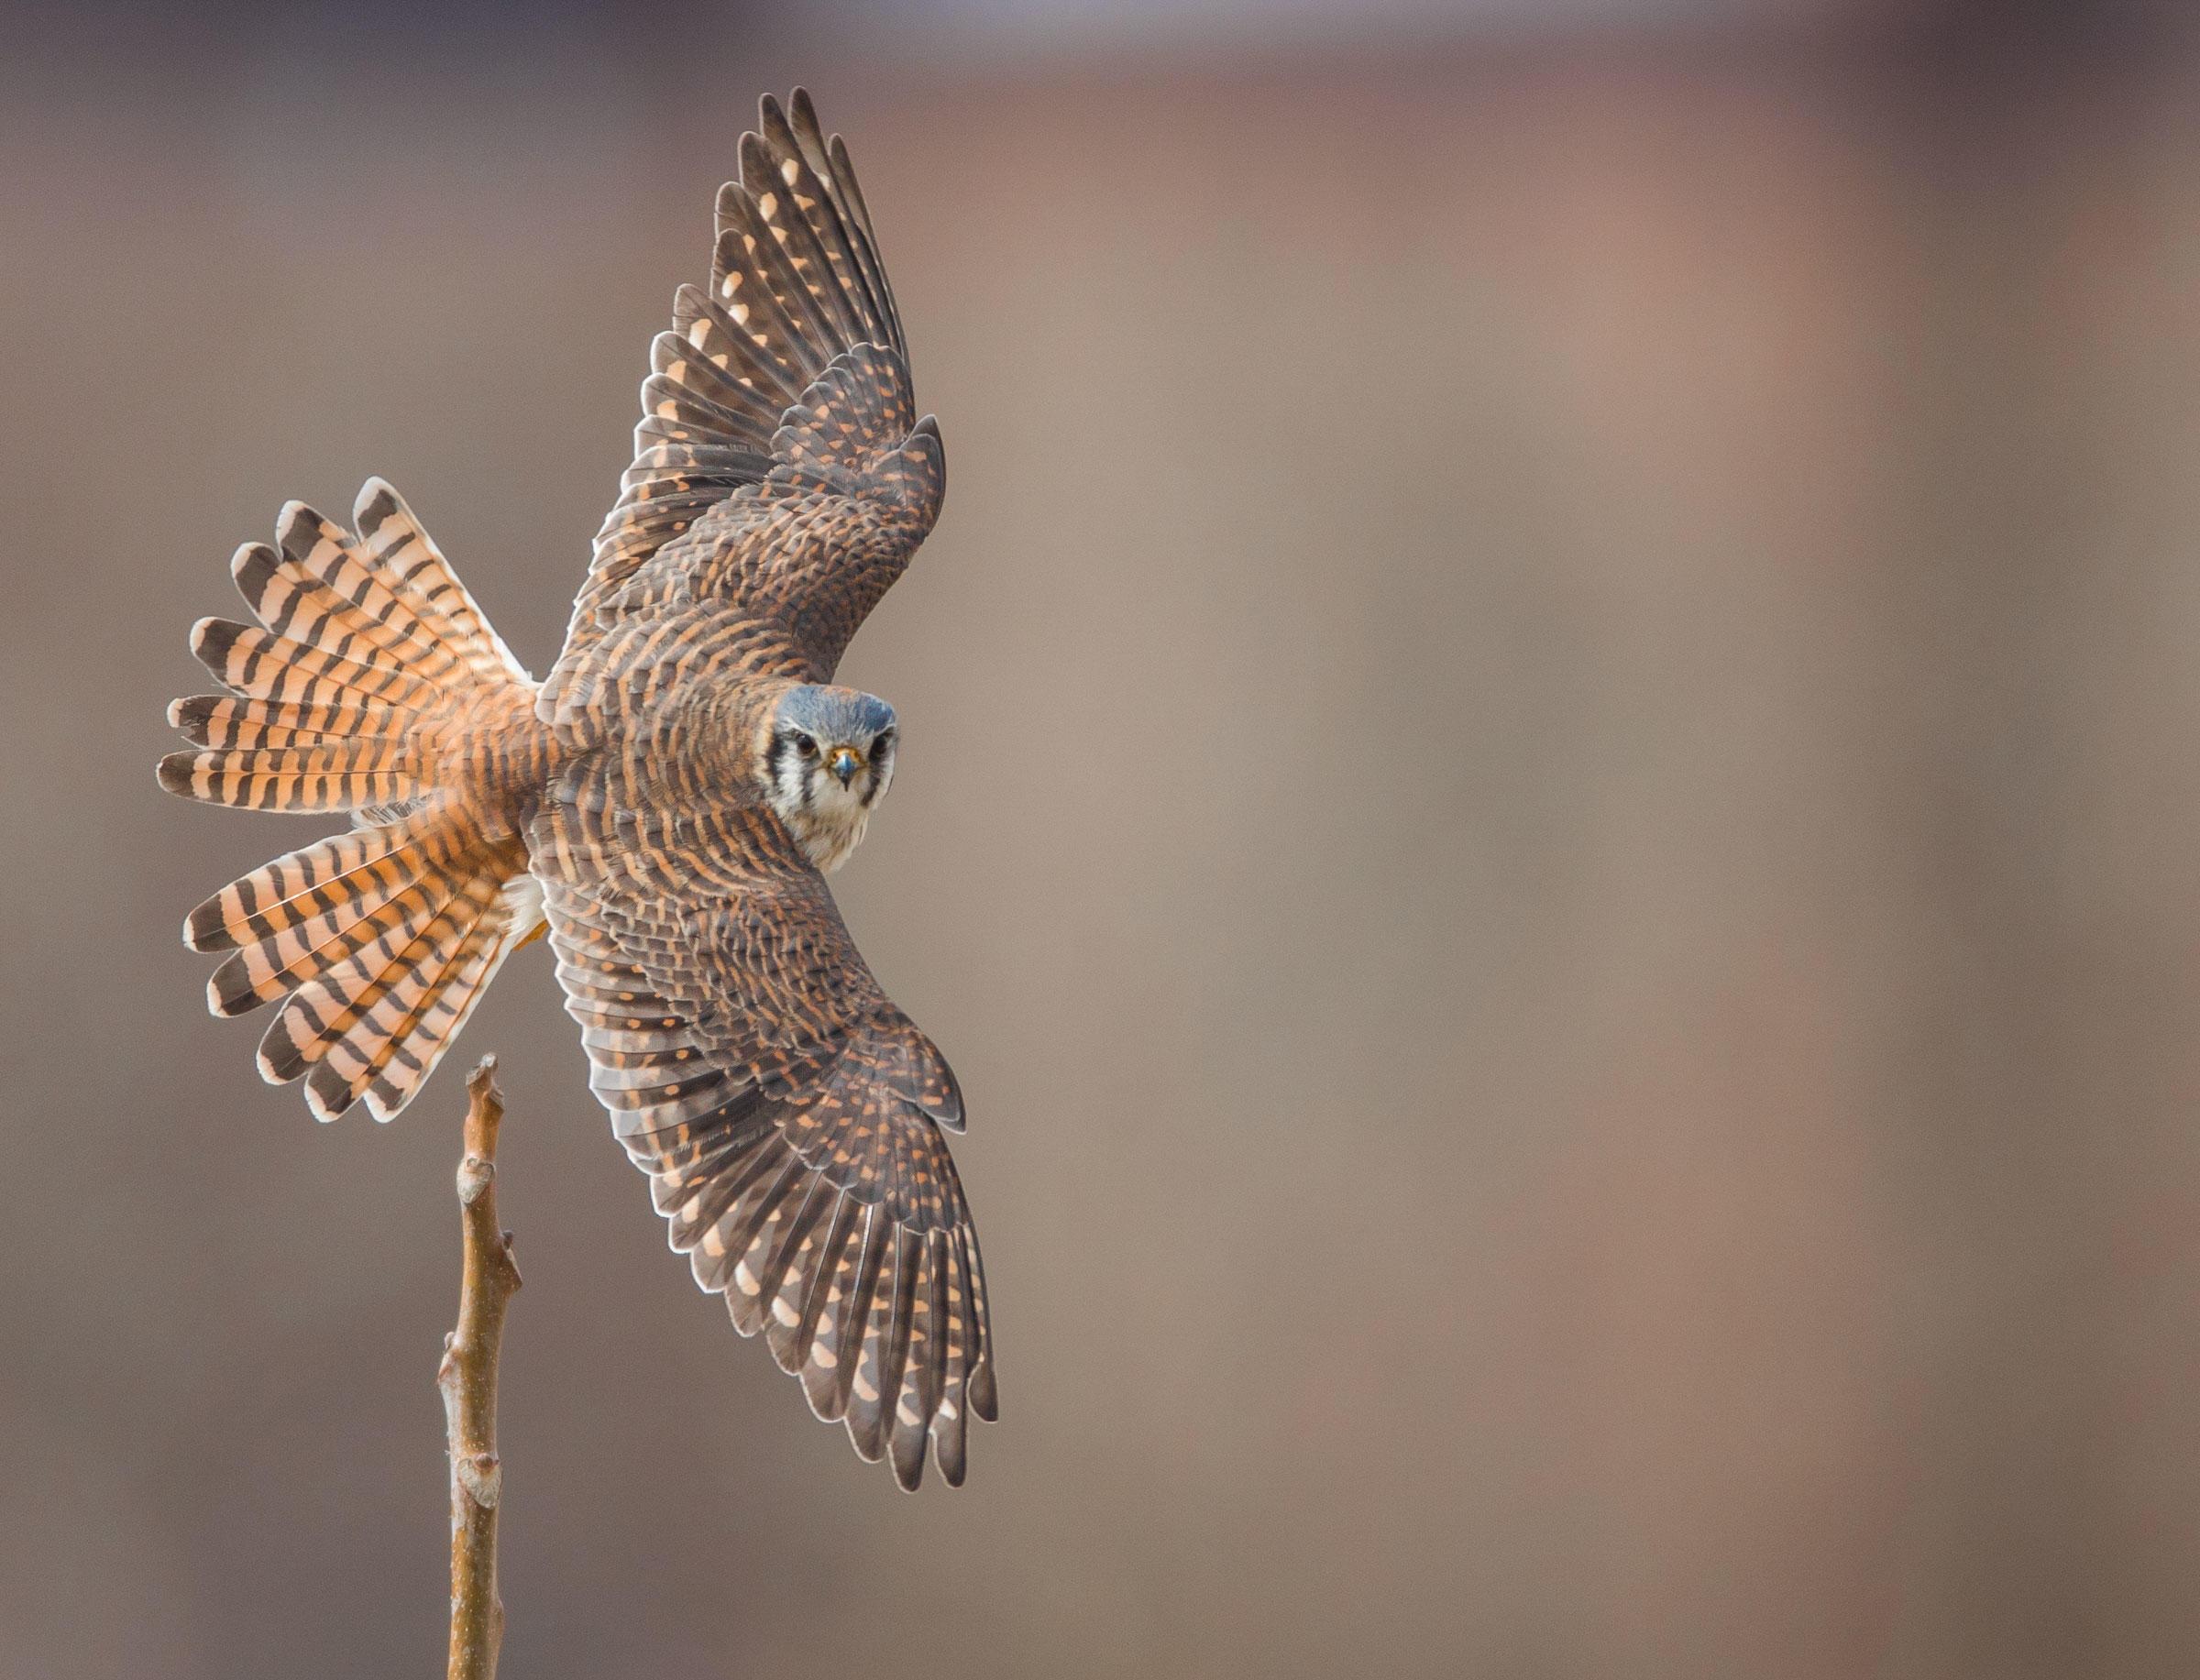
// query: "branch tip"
[[468, 1378]]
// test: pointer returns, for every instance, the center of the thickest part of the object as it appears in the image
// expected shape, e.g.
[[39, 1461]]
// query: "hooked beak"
[[843, 763]]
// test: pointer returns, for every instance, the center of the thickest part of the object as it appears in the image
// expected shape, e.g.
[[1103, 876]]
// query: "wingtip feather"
[[909, 1442], [983, 1401]]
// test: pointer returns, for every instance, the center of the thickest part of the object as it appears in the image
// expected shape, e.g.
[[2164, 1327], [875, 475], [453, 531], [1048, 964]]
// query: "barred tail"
[[372, 684]]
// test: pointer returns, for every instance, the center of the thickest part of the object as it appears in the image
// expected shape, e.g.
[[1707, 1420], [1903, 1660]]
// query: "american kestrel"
[[668, 801]]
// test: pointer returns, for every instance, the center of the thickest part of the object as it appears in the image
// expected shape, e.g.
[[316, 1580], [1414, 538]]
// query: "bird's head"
[[828, 756]]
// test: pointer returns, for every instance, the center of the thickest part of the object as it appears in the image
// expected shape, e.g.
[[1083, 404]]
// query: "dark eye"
[[882, 743], [807, 744]]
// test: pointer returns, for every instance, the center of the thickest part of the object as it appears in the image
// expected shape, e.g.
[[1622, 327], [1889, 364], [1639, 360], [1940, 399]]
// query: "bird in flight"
[[666, 803]]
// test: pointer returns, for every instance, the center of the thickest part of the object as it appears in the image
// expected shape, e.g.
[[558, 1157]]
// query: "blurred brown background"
[[1548, 809]]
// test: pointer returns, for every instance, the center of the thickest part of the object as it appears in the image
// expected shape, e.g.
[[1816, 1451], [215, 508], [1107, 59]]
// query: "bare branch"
[[468, 1378]]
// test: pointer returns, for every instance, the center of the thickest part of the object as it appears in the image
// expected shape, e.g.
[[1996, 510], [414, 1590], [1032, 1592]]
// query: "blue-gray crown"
[[833, 714]]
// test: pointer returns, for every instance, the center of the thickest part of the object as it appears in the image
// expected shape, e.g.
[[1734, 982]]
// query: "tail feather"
[[317, 775], [297, 593], [356, 870], [231, 720], [403, 1058], [343, 1030], [423, 585], [257, 974], [266, 667], [315, 1016], [372, 684]]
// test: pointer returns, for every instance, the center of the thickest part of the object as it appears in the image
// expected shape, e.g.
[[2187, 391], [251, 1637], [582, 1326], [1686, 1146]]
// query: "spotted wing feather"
[[779, 462], [791, 1121]]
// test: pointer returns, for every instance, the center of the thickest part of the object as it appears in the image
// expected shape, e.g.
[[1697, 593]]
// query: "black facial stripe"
[[789, 775]]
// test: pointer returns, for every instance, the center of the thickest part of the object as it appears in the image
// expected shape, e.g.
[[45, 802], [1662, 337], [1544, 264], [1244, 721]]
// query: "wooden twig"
[[468, 1378]]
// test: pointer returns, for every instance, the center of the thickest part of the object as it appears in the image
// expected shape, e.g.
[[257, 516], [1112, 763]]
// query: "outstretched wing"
[[788, 1115], [779, 462]]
